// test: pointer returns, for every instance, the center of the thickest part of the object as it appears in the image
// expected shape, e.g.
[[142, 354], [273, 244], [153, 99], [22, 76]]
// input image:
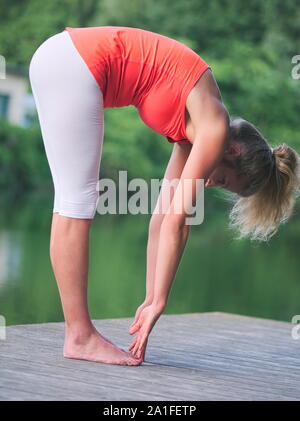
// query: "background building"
[[16, 104]]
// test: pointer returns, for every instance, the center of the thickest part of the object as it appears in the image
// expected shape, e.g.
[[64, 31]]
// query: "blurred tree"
[[248, 45], [214, 25], [26, 23]]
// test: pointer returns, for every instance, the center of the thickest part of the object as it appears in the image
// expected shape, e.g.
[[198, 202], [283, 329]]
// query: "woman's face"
[[225, 175]]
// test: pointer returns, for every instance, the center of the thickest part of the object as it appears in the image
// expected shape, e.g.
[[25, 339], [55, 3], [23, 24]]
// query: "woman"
[[78, 72]]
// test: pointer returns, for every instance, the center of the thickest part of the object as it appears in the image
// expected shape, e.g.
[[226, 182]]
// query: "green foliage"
[[257, 85], [249, 47], [213, 25], [130, 145], [26, 23], [23, 164]]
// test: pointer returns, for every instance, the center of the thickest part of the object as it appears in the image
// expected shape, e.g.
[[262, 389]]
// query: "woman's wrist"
[[159, 304], [148, 299]]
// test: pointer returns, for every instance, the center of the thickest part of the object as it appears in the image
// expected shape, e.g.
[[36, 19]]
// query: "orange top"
[[137, 67]]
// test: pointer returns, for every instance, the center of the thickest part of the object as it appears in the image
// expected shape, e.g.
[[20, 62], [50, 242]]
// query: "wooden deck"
[[207, 356]]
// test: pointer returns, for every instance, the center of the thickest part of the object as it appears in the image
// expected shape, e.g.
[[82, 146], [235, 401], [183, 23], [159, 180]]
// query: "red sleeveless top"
[[136, 67]]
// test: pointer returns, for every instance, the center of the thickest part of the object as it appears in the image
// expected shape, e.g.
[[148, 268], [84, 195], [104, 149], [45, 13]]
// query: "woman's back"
[[141, 68]]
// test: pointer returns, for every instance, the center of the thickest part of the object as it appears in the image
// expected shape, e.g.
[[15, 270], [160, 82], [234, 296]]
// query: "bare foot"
[[95, 347]]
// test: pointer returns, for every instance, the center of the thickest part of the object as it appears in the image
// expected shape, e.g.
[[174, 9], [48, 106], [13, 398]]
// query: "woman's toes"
[[131, 361]]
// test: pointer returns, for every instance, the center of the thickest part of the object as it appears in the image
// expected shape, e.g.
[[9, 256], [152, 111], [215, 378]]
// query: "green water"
[[217, 273]]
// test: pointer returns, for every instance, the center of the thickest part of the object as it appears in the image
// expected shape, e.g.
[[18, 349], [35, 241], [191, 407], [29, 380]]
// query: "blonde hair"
[[273, 183]]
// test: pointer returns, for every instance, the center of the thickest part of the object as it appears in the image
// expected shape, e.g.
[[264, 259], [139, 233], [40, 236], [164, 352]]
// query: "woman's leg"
[[56, 217], [69, 247], [69, 257], [70, 109]]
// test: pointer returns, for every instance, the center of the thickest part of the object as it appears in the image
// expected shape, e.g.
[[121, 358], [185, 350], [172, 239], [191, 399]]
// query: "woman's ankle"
[[79, 334]]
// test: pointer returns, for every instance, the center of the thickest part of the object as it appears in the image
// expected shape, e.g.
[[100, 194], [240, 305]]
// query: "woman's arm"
[[173, 171], [208, 148]]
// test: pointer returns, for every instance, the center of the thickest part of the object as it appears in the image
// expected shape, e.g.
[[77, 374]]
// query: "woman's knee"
[[77, 203]]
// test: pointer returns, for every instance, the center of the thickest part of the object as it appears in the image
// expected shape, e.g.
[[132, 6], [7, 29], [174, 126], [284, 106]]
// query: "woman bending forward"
[[77, 73]]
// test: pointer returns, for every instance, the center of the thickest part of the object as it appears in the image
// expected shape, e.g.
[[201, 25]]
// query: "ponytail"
[[269, 199]]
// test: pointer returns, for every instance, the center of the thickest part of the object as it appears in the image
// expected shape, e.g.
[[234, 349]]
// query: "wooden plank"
[[204, 356]]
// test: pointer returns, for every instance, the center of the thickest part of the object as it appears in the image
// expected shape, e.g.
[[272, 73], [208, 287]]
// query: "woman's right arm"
[[173, 171]]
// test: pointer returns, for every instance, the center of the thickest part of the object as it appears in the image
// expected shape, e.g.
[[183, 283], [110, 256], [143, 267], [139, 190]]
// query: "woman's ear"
[[233, 150]]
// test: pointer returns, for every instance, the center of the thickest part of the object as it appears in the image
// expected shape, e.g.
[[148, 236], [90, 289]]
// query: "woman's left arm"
[[210, 141]]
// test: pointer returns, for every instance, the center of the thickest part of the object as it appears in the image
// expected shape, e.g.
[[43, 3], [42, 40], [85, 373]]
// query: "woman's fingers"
[[136, 318], [141, 348], [140, 345], [132, 343], [137, 315], [134, 328], [143, 352], [143, 326], [135, 346], [135, 325]]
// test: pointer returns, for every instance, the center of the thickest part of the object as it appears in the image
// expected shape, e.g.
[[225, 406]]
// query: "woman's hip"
[[56, 66]]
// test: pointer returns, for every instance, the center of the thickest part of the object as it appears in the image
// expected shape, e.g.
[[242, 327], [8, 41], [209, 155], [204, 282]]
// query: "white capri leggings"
[[70, 110]]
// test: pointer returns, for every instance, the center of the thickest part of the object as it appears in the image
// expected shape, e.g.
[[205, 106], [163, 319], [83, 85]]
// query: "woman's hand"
[[138, 312], [143, 325]]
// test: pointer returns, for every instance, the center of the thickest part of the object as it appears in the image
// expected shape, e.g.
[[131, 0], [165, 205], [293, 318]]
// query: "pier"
[[199, 356]]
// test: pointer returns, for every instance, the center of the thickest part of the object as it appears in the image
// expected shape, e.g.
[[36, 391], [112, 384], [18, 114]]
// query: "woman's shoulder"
[[204, 105]]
